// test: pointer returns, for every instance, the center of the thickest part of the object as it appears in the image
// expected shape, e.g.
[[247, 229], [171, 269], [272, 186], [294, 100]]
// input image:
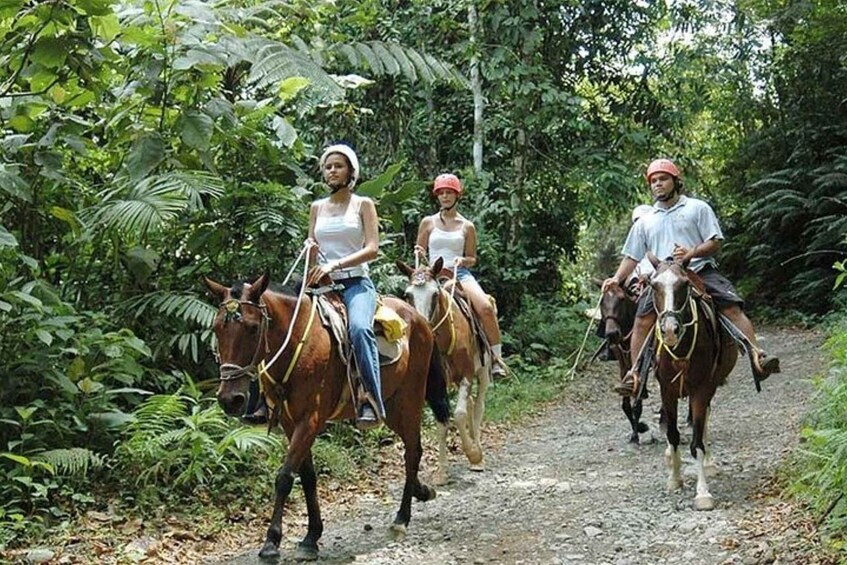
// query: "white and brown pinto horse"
[[694, 355], [465, 354]]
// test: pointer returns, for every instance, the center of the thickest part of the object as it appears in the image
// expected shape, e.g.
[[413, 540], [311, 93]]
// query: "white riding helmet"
[[348, 152], [640, 211]]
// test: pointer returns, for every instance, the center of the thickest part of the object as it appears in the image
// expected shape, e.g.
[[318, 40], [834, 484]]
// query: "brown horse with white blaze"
[[466, 358], [694, 355], [308, 386]]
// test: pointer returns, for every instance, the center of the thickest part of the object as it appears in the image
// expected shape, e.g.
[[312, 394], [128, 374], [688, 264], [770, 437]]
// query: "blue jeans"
[[359, 297]]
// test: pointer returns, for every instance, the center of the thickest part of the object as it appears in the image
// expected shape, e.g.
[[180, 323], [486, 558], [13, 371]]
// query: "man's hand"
[[609, 284], [682, 255]]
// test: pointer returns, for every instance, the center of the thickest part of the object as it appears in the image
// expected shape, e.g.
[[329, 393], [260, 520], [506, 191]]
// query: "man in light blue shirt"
[[687, 230]]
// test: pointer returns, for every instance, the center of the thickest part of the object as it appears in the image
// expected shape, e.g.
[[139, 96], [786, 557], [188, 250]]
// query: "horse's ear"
[[259, 286], [597, 282], [653, 259], [218, 290], [404, 268], [438, 265]]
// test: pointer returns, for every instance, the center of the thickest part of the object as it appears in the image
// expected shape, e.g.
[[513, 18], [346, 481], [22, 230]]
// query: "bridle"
[[419, 278], [677, 314], [232, 308]]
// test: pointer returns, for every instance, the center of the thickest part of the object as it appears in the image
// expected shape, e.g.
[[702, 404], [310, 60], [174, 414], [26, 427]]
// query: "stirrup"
[[629, 385]]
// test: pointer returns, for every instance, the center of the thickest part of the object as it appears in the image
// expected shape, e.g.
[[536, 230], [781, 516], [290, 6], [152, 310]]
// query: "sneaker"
[[366, 417], [764, 366], [498, 370], [260, 416]]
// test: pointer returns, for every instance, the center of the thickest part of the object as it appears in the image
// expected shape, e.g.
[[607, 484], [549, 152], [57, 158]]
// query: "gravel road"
[[568, 488]]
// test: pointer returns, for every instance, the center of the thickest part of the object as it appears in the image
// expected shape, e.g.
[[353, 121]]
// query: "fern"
[[74, 461]]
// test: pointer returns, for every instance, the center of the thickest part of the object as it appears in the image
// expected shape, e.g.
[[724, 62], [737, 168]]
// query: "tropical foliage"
[[145, 143]]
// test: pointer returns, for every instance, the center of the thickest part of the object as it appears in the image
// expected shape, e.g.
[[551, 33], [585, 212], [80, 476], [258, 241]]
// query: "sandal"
[[629, 385]]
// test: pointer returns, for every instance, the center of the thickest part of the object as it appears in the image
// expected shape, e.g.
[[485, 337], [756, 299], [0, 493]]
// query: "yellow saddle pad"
[[393, 326]]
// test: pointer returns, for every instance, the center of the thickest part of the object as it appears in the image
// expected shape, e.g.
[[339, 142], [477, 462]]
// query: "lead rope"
[[449, 312], [572, 373]]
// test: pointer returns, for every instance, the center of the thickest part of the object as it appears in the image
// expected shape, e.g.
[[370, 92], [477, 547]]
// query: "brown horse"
[[617, 315], [465, 354], [308, 386], [694, 355]]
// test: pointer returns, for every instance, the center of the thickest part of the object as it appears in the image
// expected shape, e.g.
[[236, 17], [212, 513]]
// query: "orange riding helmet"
[[448, 181], [662, 166]]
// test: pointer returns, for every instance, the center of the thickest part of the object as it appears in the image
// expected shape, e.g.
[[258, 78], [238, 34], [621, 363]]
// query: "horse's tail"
[[436, 388]]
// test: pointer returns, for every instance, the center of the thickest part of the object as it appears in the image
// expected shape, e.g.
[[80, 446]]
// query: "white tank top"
[[446, 244], [339, 236]]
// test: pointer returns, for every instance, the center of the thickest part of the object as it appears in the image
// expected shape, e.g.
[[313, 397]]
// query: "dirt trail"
[[569, 489]]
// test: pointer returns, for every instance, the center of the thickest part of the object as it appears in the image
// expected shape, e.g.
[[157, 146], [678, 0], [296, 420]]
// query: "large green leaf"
[[12, 183], [7, 239], [375, 187], [197, 129], [146, 154]]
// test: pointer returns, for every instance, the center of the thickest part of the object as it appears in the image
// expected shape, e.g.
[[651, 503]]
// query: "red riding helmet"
[[448, 181], [662, 166]]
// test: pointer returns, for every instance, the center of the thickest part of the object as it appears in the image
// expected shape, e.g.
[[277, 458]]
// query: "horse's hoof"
[[430, 495], [674, 485], [477, 467], [633, 439], [397, 532], [475, 457], [642, 427], [711, 470], [440, 479], [269, 551], [306, 552], [704, 502]]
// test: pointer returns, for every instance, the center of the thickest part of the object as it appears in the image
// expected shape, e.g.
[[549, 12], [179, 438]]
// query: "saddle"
[[389, 327], [391, 343], [466, 308]]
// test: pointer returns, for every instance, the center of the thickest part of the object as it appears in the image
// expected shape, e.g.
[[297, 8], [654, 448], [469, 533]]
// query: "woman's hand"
[[458, 262], [318, 272]]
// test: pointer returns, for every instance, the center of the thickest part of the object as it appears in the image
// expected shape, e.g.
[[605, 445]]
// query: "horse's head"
[[241, 327], [671, 299], [422, 292], [617, 312]]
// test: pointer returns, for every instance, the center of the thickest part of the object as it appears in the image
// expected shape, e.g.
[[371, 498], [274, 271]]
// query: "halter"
[[679, 360]]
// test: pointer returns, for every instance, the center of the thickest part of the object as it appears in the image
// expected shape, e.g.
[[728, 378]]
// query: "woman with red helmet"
[[451, 236], [686, 229]]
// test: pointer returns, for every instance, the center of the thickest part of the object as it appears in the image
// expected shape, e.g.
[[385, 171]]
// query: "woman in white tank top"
[[452, 237], [345, 232]]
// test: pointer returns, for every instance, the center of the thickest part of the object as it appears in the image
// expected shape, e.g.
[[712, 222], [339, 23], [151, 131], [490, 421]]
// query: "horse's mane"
[[237, 289]]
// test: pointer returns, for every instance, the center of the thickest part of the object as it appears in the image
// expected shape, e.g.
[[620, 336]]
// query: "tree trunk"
[[476, 88]]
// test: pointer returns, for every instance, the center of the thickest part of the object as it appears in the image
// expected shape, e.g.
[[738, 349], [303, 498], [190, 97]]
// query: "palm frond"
[[275, 62], [154, 201], [391, 58], [183, 306]]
